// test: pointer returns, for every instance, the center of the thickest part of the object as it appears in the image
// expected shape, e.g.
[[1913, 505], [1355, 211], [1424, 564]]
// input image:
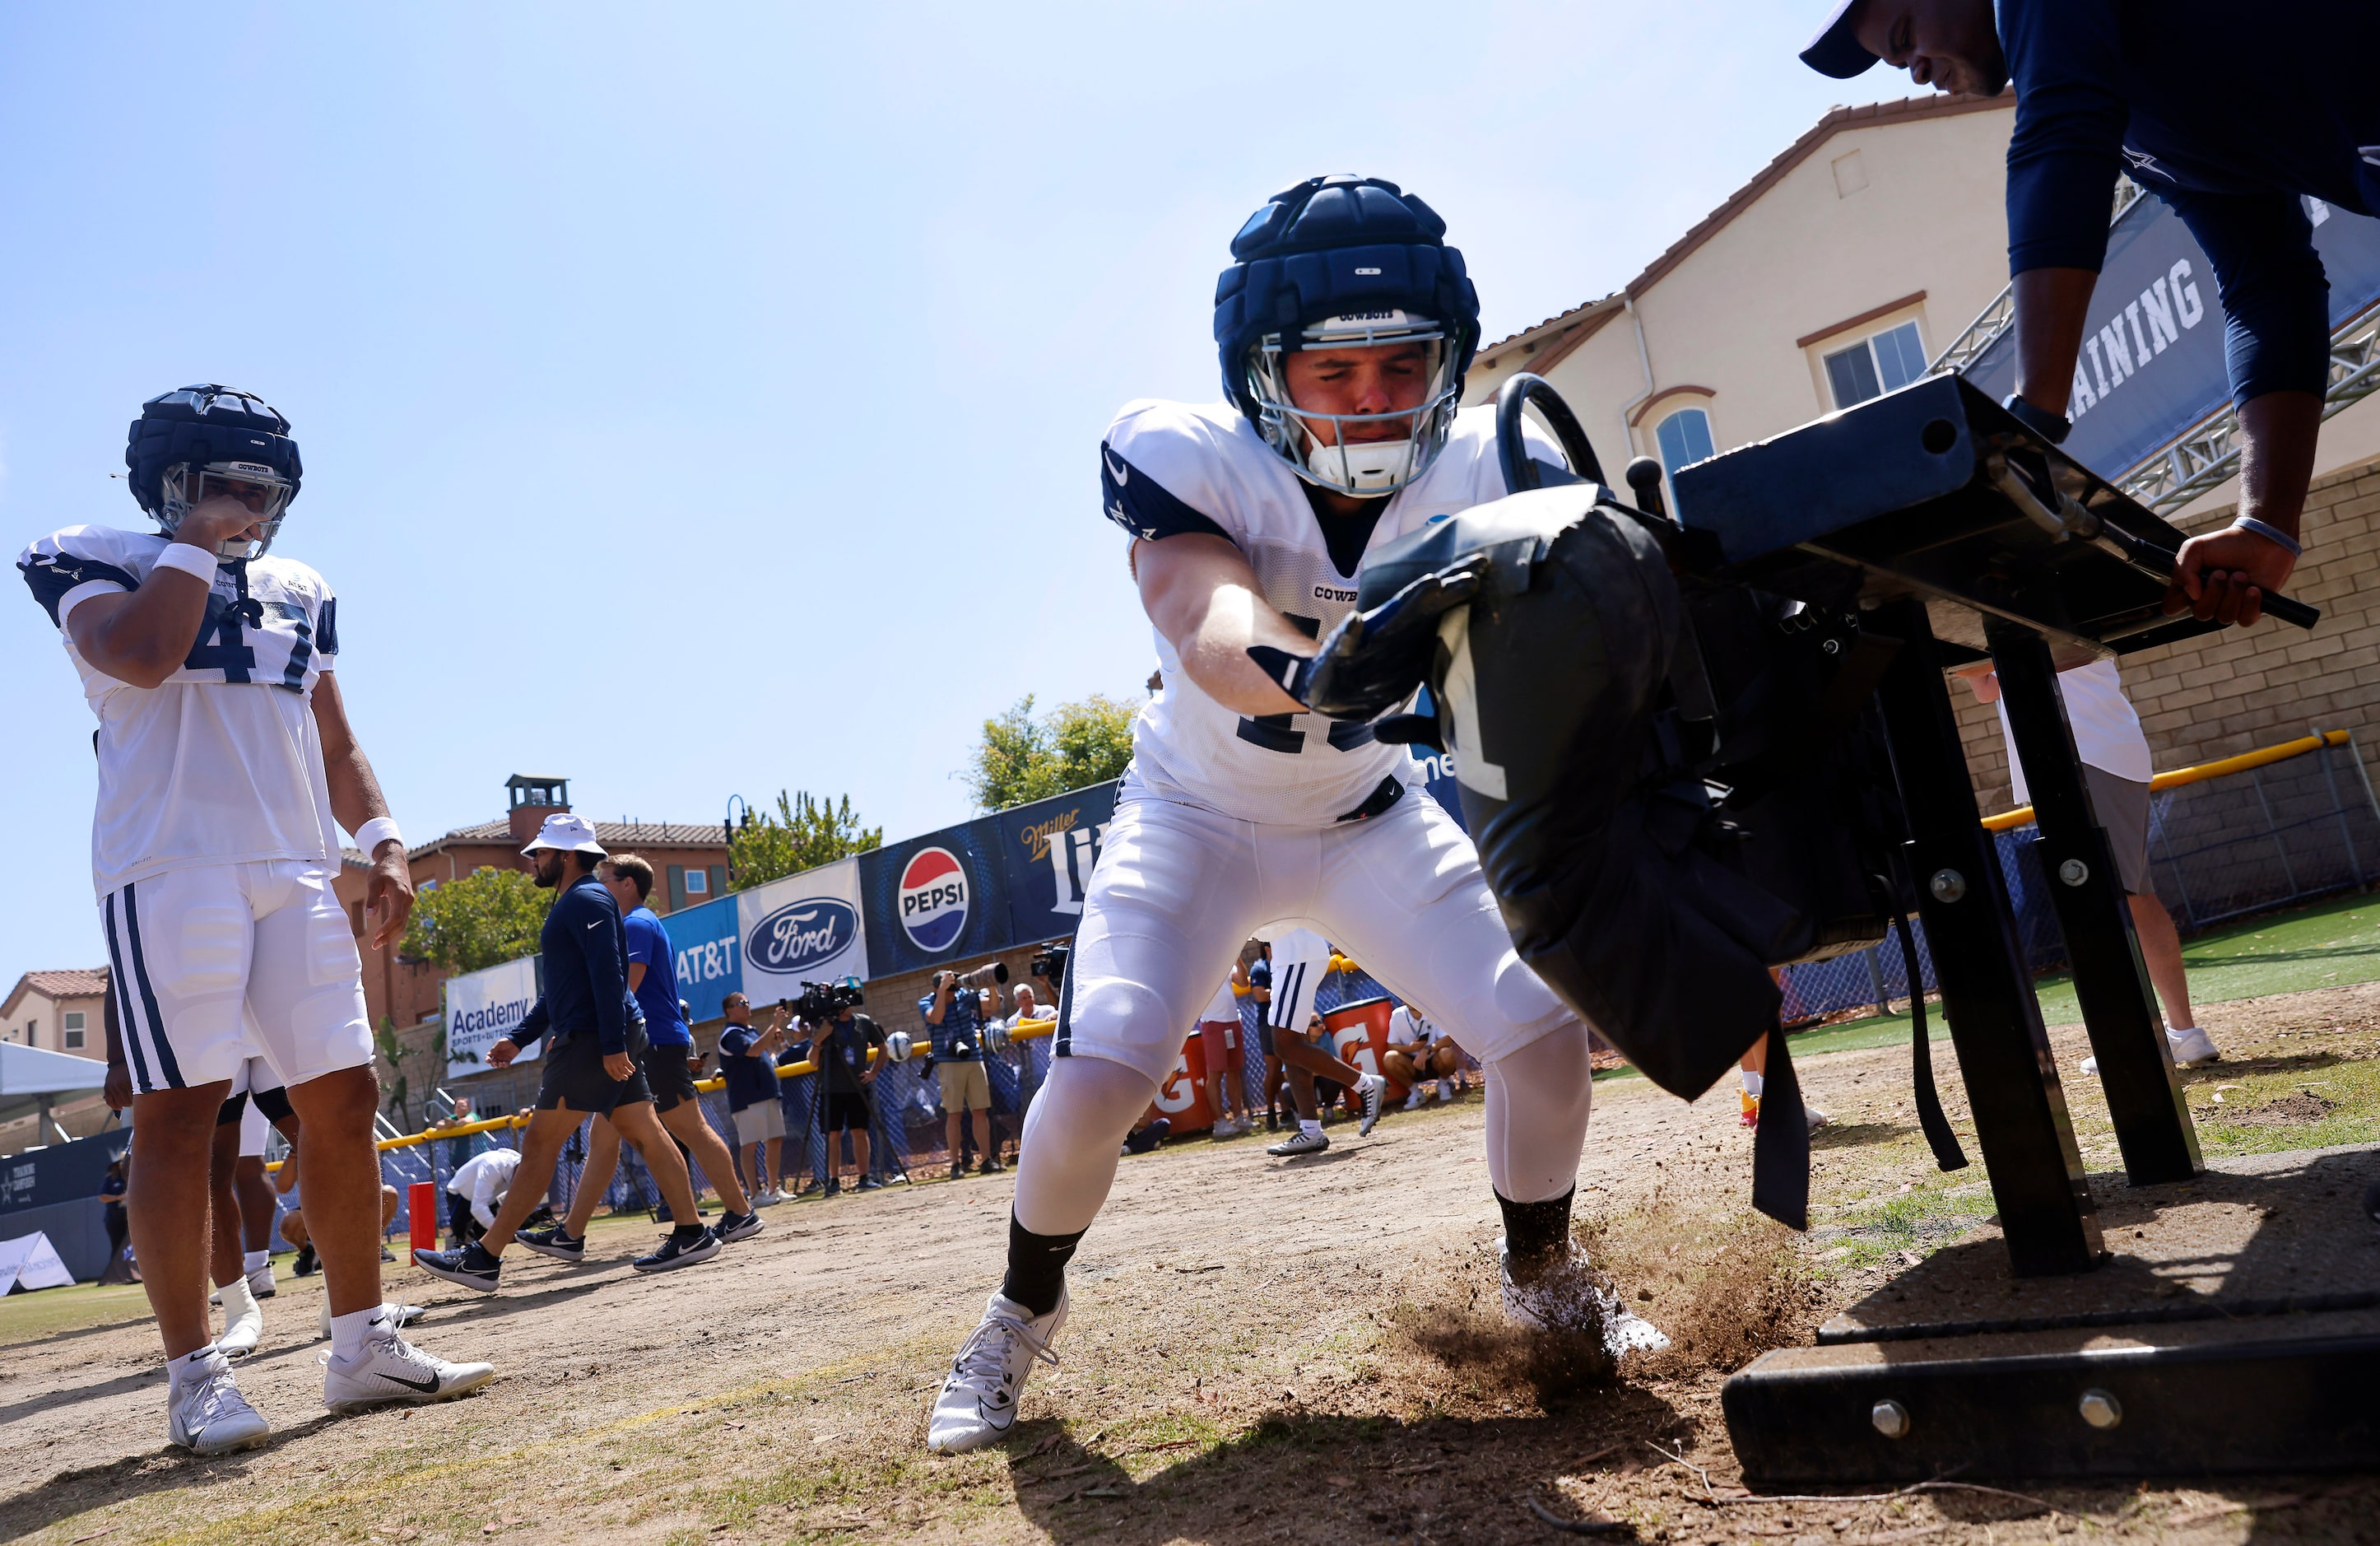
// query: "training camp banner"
[[803, 928], [2152, 363], [482, 1008]]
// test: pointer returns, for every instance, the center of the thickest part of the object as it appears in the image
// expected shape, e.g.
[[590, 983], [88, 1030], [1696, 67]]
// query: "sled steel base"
[[2236, 1328]]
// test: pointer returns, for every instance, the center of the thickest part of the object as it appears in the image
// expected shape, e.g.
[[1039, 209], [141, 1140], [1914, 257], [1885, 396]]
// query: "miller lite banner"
[[937, 898], [805, 928], [1048, 847], [483, 1008]]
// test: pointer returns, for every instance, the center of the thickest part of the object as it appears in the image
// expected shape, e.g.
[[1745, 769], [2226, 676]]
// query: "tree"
[[1072, 747], [487, 918], [803, 835]]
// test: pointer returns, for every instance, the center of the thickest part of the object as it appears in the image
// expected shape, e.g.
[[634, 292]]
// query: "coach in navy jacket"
[[2233, 114], [586, 949]]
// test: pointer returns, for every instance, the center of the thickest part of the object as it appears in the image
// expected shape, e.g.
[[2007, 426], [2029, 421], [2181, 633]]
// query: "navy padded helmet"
[[1339, 247], [201, 425]]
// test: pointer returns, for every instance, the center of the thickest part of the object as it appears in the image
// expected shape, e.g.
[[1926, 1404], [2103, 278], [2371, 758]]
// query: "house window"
[[697, 883], [73, 1025], [1883, 363], [1685, 437]]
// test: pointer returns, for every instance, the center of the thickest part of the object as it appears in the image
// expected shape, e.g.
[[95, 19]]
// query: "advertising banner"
[[2152, 363], [936, 898], [708, 943], [1048, 848], [483, 1007], [804, 928]]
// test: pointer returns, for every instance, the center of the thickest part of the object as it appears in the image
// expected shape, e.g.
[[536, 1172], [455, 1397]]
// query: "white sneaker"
[[1815, 1118], [205, 1413], [1370, 1088], [1557, 1296], [1300, 1142], [976, 1404], [260, 1284], [769, 1199], [2192, 1049], [390, 1370], [243, 1321], [1445, 1092], [1413, 1099]]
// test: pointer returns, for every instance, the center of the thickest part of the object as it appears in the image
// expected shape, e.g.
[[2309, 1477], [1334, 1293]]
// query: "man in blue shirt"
[[957, 1014], [596, 1035], [748, 1062], [2234, 117], [652, 980]]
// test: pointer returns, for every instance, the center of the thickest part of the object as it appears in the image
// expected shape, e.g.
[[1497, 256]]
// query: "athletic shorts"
[[576, 1080], [1264, 1040], [1225, 1031], [845, 1111], [667, 1074], [2122, 808], [963, 1086], [215, 966], [1179, 888], [759, 1122]]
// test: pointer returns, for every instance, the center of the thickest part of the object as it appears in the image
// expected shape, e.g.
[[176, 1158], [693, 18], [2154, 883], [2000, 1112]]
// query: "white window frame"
[[1875, 361]]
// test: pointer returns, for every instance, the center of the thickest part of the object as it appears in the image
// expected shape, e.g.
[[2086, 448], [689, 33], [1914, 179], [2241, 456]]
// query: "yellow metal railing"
[[2009, 819]]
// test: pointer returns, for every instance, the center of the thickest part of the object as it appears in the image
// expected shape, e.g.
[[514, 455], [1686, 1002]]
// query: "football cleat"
[[205, 1413], [1369, 1090], [391, 1370], [1564, 1295], [976, 1404], [1300, 1142]]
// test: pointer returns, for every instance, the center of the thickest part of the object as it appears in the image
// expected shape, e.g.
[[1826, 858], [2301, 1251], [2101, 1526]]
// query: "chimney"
[[532, 800]]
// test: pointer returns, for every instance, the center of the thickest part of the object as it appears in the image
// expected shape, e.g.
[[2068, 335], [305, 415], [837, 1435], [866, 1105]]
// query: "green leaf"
[[803, 835], [483, 920], [1074, 746]]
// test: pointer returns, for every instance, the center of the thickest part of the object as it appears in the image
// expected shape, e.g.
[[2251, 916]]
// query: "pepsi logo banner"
[[805, 928], [933, 897], [1049, 848], [939, 898]]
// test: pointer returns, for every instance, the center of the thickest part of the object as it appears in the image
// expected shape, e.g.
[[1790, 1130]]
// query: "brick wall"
[[2235, 690]]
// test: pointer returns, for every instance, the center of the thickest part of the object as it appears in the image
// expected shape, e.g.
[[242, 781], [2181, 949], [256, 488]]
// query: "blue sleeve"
[[1144, 506], [2275, 296], [2065, 57], [736, 1041], [1260, 974], [646, 943]]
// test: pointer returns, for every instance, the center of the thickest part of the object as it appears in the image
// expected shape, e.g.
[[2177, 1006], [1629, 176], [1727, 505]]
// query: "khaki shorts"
[[759, 1122], [963, 1086]]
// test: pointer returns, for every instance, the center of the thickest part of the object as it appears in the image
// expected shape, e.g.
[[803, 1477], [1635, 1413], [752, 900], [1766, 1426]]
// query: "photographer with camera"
[[958, 1009], [748, 1062], [840, 1046]]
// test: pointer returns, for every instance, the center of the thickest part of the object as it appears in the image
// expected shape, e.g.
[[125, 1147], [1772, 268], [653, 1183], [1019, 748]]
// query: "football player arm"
[[356, 799], [1203, 596]]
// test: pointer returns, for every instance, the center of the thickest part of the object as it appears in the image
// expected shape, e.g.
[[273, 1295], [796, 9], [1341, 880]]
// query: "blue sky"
[[702, 401]]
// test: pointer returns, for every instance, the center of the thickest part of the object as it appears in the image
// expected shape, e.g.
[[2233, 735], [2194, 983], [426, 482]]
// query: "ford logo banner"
[[801, 934]]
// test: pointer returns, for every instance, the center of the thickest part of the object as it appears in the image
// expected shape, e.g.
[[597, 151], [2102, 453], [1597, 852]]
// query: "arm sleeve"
[[607, 968], [2065, 57], [2275, 296], [533, 1025]]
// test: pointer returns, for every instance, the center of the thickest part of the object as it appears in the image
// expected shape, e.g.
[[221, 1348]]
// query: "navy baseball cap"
[[1835, 51]]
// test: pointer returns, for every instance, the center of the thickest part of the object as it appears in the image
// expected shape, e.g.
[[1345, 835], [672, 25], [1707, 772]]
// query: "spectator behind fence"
[[846, 1075], [1420, 1053], [2114, 752], [476, 1191], [956, 1015], [1219, 1032], [748, 1062], [797, 1100]]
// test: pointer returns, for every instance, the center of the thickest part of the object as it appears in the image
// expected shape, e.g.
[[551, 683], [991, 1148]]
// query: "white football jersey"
[[1169, 469], [221, 763]]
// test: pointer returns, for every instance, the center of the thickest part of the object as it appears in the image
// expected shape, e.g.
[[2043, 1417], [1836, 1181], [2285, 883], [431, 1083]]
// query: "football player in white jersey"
[[226, 766], [1300, 959], [1343, 327]]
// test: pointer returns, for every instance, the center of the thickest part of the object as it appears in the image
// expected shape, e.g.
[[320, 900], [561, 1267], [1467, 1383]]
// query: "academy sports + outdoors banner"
[[708, 942], [803, 928], [482, 1008], [937, 898], [2152, 363]]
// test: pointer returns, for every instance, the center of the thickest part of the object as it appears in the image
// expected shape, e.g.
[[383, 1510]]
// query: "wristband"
[[188, 557], [2272, 534], [2051, 427], [373, 833]]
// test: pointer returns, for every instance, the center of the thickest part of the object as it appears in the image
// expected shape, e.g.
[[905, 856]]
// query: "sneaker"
[[1300, 1142], [1413, 1099], [308, 1263], [769, 1199], [243, 1322], [733, 1227], [816, 1189], [1815, 1118], [1370, 1088], [977, 1402], [2192, 1049], [472, 1266], [681, 1249], [1558, 1293], [390, 1371], [869, 1184], [386, 1254], [399, 1316], [205, 1413], [1446, 1093], [991, 1166], [556, 1242], [260, 1284], [834, 1187], [958, 1169]]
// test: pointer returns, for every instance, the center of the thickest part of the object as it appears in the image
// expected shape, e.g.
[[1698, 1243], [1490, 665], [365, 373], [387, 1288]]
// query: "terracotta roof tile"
[[69, 983]]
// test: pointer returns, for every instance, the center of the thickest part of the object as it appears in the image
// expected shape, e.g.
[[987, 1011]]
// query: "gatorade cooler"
[[1359, 1034]]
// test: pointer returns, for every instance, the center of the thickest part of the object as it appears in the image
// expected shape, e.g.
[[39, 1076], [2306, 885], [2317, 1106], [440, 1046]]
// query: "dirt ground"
[[1259, 1350]]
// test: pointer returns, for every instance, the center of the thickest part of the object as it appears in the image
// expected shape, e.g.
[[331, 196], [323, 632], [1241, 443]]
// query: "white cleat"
[[260, 1284], [1300, 1142], [1815, 1118], [1560, 1296], [205, 1413], [243, 1321], [2192, 1049], [391, 1370], [977, 1402], [1370, 1088]]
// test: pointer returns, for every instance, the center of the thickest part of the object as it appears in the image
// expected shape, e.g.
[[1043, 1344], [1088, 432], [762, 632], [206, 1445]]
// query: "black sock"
[[1534, 1231], [1036, 1266]]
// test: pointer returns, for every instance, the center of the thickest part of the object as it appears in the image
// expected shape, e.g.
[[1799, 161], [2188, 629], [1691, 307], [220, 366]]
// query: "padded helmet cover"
[[1546, 688], [202, 424]]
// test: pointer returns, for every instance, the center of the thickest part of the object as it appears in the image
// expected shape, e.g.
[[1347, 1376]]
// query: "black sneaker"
[[308, 1263], [556, 1242], [683, 1248], [869, 1184], [813, 1189], [834, 1189], [991, 1166], [958, 1169], [736, 1226], [472, 1266]]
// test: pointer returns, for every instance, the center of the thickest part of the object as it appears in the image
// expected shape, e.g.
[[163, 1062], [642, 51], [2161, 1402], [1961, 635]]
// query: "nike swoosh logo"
[[427, 1387], [1119, 472], [596, 924]]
